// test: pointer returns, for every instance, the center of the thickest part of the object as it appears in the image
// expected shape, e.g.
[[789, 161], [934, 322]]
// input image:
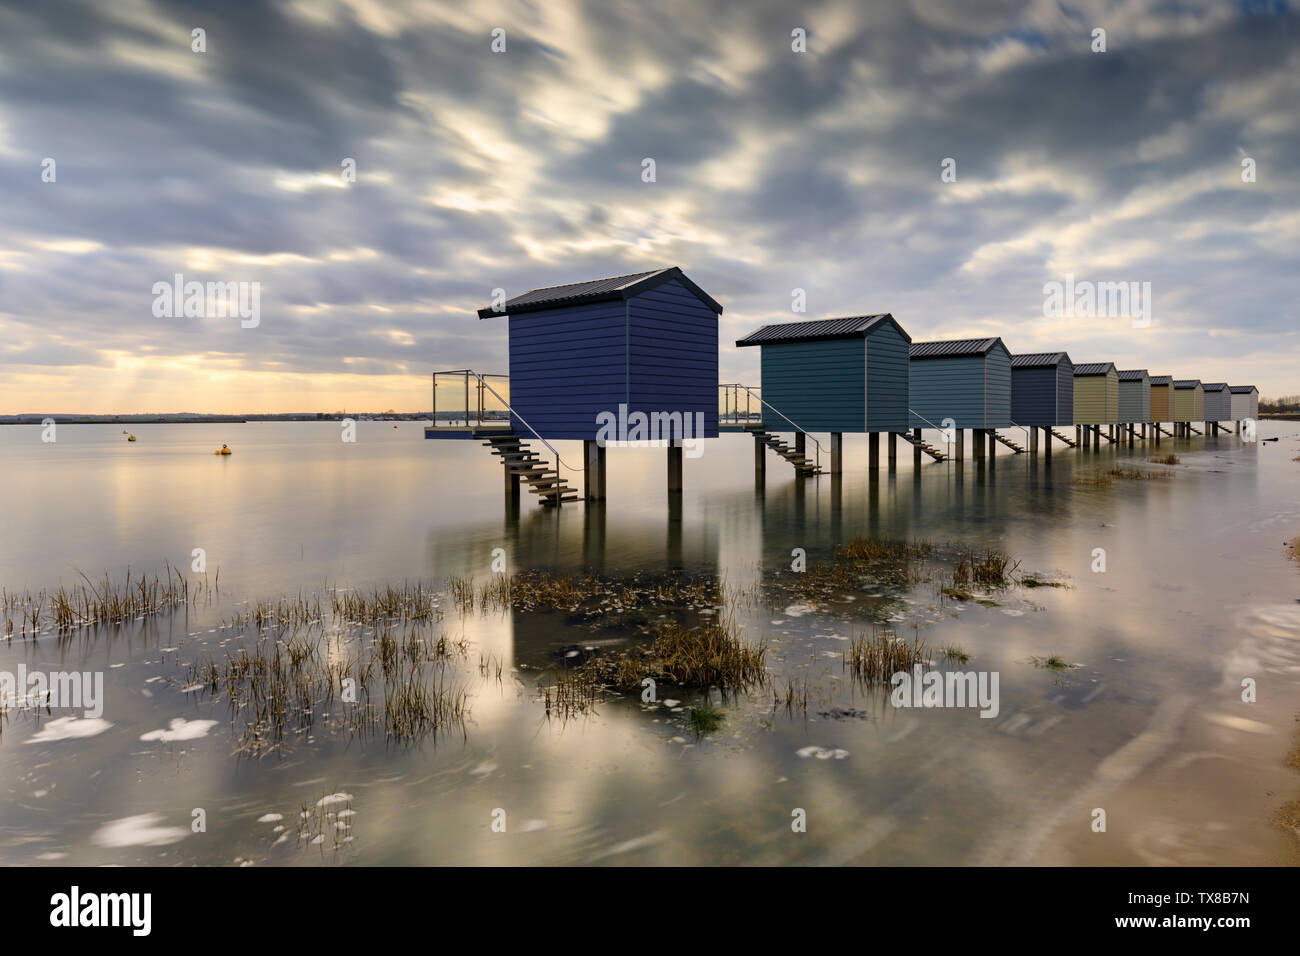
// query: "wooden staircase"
[[1018, 449], [924, 445], [520, 460], [802, 466], [1060, 437]]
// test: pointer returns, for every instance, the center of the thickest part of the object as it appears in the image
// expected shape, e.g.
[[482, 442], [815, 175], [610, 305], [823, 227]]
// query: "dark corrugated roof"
[[1039, 359], [848, 327], [1162, 380], [954, 347], [1214, 386], [1133, 374], [1187, 383], [1094, 368], [595, 290], [1242, 388]]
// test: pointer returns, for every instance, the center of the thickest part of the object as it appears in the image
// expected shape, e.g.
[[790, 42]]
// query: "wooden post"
[[893, 452], [1033, 441], [837, 453], [1047, 442], [873, 451], [799, 444], [760, 459], [916, 449], [593, 470], [961, 444], [977, 439], [674, 467]]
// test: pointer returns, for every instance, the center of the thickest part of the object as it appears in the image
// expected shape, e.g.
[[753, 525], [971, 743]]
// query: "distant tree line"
[[1287, 403]]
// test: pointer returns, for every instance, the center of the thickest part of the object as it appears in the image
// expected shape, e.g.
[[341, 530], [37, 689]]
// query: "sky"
[[775, 168]]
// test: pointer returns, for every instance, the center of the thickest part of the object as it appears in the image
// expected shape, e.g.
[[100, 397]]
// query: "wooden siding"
[[1218, 406], [1160, 404], [1096, 399], [1033, 395], [1065, 394], [657, 352], [947, 388], [820, 385], [888, 376], [1189, 404], [673, 354], [567, 365], [1135, 400], [1244, 405], [997, 388]]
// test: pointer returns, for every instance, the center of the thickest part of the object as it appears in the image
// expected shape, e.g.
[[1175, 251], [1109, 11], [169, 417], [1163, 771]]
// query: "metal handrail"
[[798, 428], [469, 371]]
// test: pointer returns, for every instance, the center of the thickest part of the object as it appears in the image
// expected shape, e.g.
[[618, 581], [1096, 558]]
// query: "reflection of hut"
[[962, 383], [1042, 394]]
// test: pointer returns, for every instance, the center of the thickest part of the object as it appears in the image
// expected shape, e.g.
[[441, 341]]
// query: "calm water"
[[1197, 595]]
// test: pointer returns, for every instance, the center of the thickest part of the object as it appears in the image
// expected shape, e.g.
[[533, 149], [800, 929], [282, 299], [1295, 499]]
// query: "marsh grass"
[[90, 603], [1118, 473], [1053, 662], [881, 654], [707, 656], [793, 698], [1030, 581], [1165, 460], [280, 687], [989, 569], [705, 719], [591, 595], [1293, 549], [409, 602], [572, 692], [954, 654]]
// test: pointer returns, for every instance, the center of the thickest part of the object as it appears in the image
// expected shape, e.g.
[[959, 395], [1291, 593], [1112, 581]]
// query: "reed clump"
[[989, 568], [281, 688], [387, 605], [710, 655], [878, 656], [1165, 460], [90, 603]]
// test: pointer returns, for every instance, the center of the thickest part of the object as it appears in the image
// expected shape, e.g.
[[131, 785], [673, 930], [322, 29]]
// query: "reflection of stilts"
[[837, 508], [593, 536], [674, 529]]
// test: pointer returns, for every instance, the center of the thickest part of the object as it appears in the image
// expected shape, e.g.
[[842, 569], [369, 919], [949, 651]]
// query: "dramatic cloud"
[[776, 170]]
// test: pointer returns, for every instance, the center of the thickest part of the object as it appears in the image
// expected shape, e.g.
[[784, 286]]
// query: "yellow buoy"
[[130, 438]]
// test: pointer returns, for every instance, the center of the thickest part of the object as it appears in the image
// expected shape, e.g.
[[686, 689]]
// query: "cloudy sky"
[[775, 170]]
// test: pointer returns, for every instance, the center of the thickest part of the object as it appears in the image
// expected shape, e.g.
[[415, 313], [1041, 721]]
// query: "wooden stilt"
[[674, 467]]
